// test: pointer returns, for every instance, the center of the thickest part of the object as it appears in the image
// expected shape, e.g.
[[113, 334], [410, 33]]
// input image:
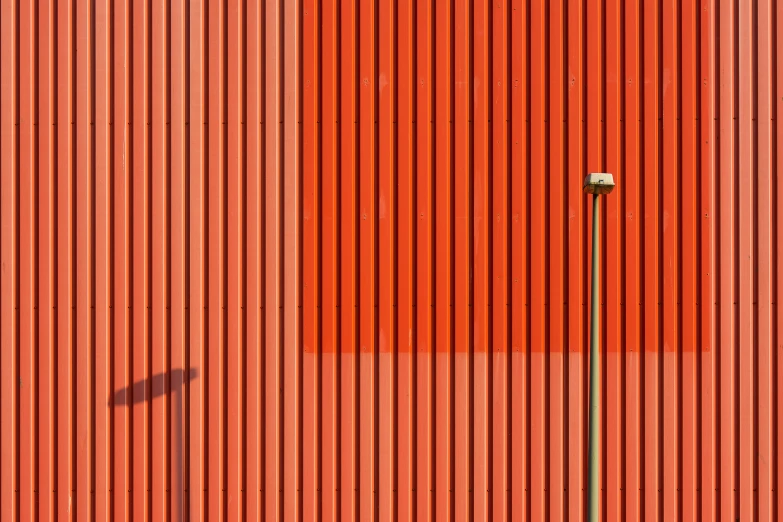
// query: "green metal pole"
[[595, 380]]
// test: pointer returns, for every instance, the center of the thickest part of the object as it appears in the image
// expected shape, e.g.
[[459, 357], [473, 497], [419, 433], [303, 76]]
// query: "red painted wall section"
[[329, 259]]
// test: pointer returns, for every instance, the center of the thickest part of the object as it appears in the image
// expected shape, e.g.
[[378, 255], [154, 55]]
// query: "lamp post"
[[595, 184]]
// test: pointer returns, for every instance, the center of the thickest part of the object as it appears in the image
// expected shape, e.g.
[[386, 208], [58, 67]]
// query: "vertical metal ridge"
[[272, 259], [291, 358], [778, 257], [195, 299], [160, 347], [366, 273], [746, 254], [120, 300], [460, 252], [537, 261], [8, 207], [669, 183], [254, 234], [777, 224], [443, 269], [689, 279], [25, 304], [181, 367], [103, 274], [46, 304], [480, 261], [85, 262], [329, 277], [708, 348], [235, 121], [386, 338], [406, 218], [310, 328], [216, 274], [764, 248], [612, 261], [425, 155]]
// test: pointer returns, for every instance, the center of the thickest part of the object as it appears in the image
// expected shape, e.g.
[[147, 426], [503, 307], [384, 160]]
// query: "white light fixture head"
[[598, 183]]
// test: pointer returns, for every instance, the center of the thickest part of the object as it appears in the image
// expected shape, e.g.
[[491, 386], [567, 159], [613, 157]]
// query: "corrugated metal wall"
[[328, 259]]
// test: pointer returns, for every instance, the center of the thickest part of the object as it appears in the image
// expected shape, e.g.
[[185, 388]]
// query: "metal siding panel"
[[328, 259]]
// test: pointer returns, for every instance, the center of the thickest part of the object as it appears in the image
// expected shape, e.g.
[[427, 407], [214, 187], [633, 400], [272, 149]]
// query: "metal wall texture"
[[329, 259]]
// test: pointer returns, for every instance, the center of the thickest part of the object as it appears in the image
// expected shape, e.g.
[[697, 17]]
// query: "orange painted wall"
[[329, 259]]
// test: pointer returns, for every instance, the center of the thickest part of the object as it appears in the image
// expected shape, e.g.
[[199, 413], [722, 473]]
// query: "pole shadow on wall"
[[150, 389]]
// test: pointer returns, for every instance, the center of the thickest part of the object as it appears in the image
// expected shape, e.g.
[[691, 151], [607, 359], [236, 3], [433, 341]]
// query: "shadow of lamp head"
[[155, 386]]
